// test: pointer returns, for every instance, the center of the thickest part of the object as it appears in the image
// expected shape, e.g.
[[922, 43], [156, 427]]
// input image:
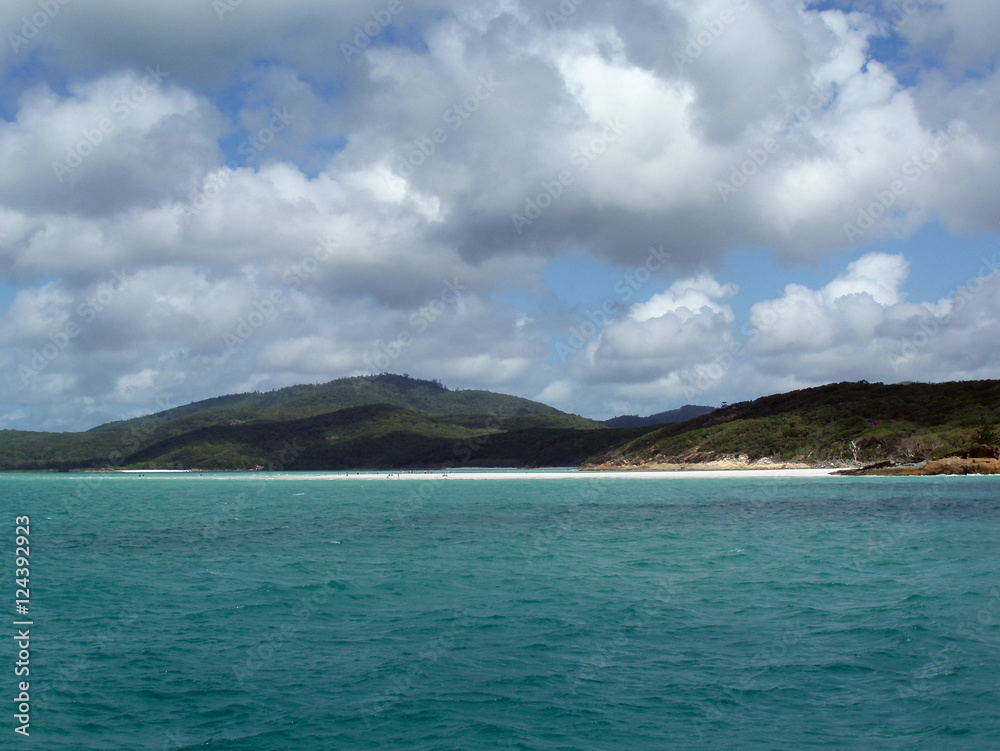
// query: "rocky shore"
[[976, 460]]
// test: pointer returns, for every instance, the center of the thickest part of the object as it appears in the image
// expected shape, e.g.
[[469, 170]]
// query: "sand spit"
[[152, 471], [464, 476]]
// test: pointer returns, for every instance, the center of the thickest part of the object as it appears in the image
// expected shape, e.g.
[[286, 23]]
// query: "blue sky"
[[941, 262], [195, 203]]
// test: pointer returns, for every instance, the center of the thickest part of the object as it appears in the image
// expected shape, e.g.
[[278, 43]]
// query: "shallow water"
[[238, 612]]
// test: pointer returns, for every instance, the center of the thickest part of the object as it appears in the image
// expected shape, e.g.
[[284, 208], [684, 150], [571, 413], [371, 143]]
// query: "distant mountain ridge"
[[681, 414], [396, 422]]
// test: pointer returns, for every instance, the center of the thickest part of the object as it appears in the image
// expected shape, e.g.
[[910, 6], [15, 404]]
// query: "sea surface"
[[254, 611]]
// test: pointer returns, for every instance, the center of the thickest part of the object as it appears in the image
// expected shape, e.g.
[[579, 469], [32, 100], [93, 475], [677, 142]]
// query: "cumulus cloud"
[[860, 322], [124, 140], [357, 161], [685, 299], [645, 340], [687, 346]]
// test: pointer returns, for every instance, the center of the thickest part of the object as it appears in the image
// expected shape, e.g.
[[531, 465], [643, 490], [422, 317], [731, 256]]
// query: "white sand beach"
[[467, 475], [473, 475], [152, 471]]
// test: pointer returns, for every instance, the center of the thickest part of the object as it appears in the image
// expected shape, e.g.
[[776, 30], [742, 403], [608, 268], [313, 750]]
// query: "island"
[[387, 421]]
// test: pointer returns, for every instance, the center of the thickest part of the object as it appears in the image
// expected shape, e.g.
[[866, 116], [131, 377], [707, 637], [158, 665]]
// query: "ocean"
[[298, 611]]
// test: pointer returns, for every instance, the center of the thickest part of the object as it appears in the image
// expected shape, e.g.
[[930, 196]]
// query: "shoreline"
[[950, 465], [538, 474], [153, 471], [642, 472], [715, 465]]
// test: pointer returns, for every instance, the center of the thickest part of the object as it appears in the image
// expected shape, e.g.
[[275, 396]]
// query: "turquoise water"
[[234, 612]]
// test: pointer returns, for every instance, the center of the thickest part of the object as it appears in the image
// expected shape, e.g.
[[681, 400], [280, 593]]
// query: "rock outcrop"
[[976, 460]]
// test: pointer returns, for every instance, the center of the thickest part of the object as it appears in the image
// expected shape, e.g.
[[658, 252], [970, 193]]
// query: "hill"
[[397, 422], [681, 414], [385, 388], [379, 436], [383, 421], [837, 424]]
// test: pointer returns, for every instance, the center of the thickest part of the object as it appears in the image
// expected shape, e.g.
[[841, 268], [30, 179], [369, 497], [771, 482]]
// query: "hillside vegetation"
[[840, 424], [397, 422], [387, 388], [375, 422]]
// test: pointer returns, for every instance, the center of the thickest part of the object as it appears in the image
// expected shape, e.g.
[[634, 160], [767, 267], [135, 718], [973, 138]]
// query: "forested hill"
[[360, 391], [390, 422], [842, 423], [382, 421]]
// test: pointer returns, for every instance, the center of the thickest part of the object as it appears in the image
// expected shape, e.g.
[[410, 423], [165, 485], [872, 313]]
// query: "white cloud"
[[122, 140], [877, 275], [358, 234], [685, 299], [860, 323], [667, 334]]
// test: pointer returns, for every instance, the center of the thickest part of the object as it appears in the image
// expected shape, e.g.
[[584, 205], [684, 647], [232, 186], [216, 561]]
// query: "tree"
[[985, 434]]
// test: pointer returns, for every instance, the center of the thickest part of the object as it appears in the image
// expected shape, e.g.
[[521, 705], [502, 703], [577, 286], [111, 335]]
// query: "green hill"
[[836, 424], [397, 422], [387, 388], [373, 422], [380, 436]]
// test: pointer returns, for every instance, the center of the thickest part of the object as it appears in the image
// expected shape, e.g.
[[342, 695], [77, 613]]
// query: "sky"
[[611, 206]]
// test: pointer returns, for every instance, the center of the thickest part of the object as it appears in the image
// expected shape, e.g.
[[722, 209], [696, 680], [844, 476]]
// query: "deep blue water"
[[236, 612]]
